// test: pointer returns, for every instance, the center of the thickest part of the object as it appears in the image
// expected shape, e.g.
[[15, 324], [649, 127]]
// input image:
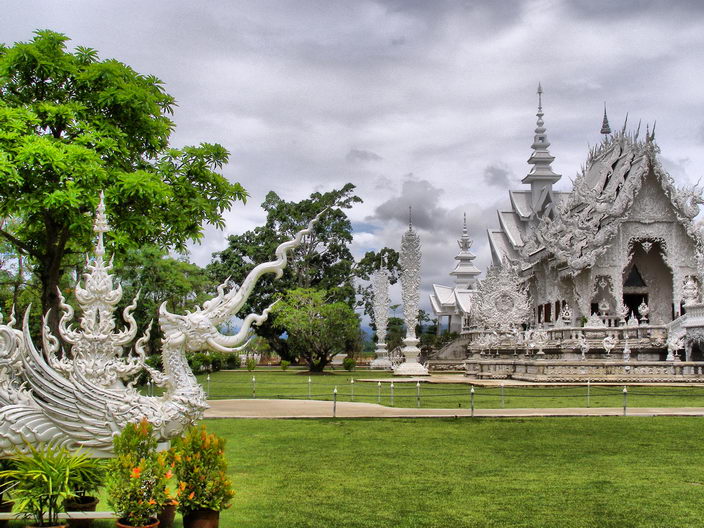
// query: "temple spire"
[[605, 128], [465, 272], [541, 177]]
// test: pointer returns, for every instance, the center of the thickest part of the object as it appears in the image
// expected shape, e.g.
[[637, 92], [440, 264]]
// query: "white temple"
[[455, 302], [610, 267]]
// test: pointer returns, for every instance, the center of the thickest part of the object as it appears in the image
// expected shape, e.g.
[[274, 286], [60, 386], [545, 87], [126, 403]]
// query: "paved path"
[[324, 409]]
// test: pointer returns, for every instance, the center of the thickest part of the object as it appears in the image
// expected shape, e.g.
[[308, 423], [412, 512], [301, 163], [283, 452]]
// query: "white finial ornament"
[[605, 128]]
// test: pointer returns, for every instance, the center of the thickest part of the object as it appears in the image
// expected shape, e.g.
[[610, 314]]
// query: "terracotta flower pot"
[[201, 519], [167, 515], [153, 523], [81, 504]]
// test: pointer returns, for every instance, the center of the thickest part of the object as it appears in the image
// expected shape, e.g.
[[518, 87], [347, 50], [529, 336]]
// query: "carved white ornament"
[[380, 289], [502, 299], [87, 396], [609, 343], [690, 290]]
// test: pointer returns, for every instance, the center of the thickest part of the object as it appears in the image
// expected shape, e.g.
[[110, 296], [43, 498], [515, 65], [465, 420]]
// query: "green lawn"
[[294, 384], [420, 473]]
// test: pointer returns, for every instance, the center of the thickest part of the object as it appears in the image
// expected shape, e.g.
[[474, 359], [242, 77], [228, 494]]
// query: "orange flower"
[[136, 472], [152, 501], [182, 485], [168, 474], [191, 495]]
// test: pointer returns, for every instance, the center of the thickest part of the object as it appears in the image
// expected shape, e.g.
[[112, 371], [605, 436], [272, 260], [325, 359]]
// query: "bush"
[[251, 364], [284, 364], [349, 363], [138, 475], [200, 468], [232, 361]]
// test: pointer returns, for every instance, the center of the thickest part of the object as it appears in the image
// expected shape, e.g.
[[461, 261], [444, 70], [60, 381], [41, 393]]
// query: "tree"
[[158, 277], [72, 125], [317, 328], [322, 261]]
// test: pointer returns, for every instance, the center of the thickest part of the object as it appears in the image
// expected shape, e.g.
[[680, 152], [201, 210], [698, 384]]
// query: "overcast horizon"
[[427, 104]]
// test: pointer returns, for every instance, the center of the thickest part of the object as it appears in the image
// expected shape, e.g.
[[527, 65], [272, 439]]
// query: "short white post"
[[502, 395], [352, 390], [309, 382], [625, 400], [418, 394], [378, 392], [334, 401], [254, 388], [392, 394], [207, 391], [471, 399]]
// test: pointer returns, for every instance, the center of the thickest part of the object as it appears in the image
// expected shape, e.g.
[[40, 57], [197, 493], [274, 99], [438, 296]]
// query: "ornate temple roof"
[[601, 198], [582, 222], [573, 228]]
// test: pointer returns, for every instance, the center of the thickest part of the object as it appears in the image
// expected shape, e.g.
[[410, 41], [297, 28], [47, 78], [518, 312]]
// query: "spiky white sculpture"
[[410, 286], [380, 287], [87, 396]]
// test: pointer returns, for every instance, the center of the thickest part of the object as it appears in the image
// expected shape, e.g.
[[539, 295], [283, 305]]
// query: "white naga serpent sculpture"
[[85, 397]]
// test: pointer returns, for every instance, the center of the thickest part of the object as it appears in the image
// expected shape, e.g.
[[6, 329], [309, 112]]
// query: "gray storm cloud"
[[314, 94]]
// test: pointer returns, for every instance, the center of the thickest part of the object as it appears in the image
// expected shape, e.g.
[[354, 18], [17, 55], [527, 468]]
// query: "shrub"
[[200, 469], [251, 364], [284, 364], [349, 363], [232, 361], [216, 361], [138, 475]]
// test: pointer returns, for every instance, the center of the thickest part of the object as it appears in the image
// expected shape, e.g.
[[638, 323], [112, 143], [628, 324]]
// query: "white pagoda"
[[455, 302]]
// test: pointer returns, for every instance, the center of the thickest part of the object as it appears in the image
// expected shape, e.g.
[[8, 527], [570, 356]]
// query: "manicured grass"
[[542, 473], [294, 384], [610, 472]]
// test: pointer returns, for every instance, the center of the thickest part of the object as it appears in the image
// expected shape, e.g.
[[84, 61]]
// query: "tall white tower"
[[465, 272], [541, 177]]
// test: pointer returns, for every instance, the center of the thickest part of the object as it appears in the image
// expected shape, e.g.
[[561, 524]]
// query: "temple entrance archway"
[[647, 278]]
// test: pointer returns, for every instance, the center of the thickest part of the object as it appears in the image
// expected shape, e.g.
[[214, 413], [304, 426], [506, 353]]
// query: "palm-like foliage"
[[45, 476]]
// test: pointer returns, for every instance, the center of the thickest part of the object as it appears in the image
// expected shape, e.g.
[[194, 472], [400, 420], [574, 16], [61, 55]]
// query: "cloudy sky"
[[423, 103]]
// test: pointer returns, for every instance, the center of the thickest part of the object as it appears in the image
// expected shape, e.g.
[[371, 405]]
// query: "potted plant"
[[87, 479], [137, 477], [204, 489], [44, 477], [167, 514], [5, 485]]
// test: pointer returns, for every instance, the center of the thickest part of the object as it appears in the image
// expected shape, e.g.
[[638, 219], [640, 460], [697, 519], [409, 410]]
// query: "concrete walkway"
[[324, 409]]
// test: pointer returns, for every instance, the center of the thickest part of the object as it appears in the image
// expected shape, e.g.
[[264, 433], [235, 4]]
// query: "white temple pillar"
[[410, 293]]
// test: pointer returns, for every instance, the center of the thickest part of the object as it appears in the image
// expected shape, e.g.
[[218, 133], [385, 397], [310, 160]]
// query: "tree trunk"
[[50, 272]]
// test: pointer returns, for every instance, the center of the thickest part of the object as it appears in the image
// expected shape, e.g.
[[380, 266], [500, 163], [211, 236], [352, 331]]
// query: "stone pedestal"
[[381, 361], [411, 367]]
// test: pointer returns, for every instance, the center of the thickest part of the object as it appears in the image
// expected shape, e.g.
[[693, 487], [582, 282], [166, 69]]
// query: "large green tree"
[[72, 125], [322, 261], [317, 327]]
